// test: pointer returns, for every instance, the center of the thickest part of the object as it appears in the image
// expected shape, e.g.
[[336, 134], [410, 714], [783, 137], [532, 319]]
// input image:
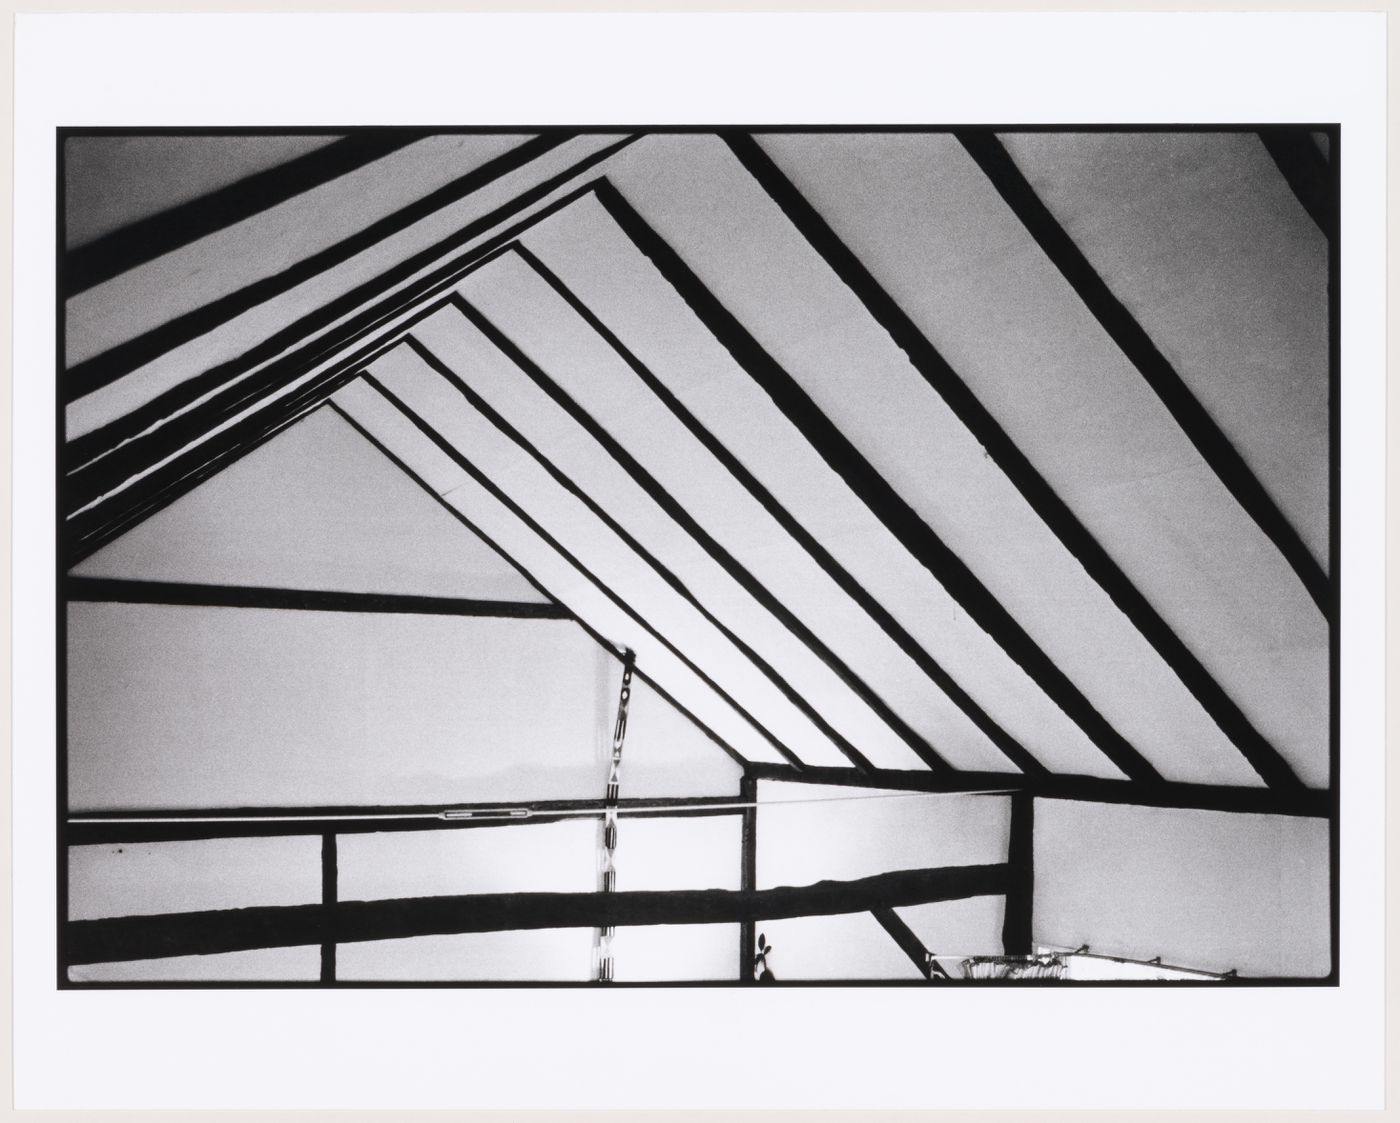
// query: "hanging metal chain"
[[607, 870]]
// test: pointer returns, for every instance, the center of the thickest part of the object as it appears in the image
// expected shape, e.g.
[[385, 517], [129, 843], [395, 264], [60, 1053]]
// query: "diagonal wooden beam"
[[494, 418], [148, 458], [875, 491], [120, 360], [611, 648], [149, 238], [160, 428], [455, 455], [134, 467], [904, 936], [1305, 168], [1214, 447], [677, 513], [87, 531], [1010, 747], [117, 939], [1051, 509]]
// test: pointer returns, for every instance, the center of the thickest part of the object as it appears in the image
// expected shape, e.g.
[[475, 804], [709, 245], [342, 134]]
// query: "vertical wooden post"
[[748, 872], [328, 898], [1020, 887]]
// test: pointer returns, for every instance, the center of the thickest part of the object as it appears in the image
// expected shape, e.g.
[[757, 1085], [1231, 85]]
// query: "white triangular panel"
[[317, 507]]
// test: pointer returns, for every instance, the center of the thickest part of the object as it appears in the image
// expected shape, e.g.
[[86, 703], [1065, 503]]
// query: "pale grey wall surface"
[[1201, 889], [130, 879], [845, 834], [217, 707], [1202, 239], [260, 965]]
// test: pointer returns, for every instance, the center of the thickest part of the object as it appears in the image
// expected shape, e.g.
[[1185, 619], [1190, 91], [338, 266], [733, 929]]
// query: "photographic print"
[[722, 556]]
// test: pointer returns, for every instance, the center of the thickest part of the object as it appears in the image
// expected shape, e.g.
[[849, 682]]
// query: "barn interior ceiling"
[[906, 464]]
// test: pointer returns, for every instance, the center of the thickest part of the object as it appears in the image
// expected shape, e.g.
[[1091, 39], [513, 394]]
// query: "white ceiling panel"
[[615, 564], [666, 753], [568, 584], [590, 372], [758, 265], [985, 295], [270, 241], [653, 322], [589, 466], [235, 336], [1200, 236]]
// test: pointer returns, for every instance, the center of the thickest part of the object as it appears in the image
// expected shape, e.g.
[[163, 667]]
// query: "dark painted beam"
[[688, 524], [1307, 803], [667, 575], [150, 433], [1051, 509], [1214, 447], [611, 648], [329, 895], [1010, 747], [1305, 168], [1016, 936], [875, 491], [195, 831], [116, 362], [904, 936], [748, 873], [113, 512], [455, 455], [84, 533], [115, 591], [103, 827], [116, 939], [97, 479], [149, 238]]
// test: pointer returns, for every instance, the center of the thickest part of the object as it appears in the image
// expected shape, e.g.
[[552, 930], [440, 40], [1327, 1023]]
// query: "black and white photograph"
[[641, 560], [727, 555]]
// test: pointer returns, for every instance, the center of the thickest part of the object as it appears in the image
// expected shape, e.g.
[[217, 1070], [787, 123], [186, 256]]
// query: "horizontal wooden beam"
[[115, 591], [1307, 802], [115, 939], [161, 825]]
